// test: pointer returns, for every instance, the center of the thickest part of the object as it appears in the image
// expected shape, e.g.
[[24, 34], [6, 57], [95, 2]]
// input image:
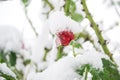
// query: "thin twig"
[[50, 5], [74, 54], [87, 37], [33, 28], [115, 8]]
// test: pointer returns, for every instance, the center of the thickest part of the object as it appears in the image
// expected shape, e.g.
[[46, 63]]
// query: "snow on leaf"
[[6, 72]]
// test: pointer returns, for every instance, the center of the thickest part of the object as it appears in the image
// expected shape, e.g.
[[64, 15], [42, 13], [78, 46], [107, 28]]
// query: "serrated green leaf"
[[12, 58], [77, 17]]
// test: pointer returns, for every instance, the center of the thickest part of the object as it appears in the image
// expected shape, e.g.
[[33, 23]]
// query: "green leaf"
[[67, 7], [6, 76], [2, 57], [26, 62], [77, 17], [109, 71], [12, 58], [95, 74], [75, 44], [82, 69], [72, 7]]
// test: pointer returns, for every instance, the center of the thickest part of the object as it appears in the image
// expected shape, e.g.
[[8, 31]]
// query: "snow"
[[116, 57], [59, 21], [4, 69], [10, 39], [39, 44], [65, 68], [57, 4], [1, 78]]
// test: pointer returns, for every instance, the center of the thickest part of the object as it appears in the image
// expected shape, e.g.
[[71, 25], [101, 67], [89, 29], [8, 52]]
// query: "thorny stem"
[[33, 28], [97, 31]]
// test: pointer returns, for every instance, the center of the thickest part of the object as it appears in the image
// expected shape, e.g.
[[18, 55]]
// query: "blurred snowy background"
[[16, 29]]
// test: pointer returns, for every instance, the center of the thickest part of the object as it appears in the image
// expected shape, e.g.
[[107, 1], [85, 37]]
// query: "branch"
[[97, 31], [33, 28], [50, 5], [87, 37]]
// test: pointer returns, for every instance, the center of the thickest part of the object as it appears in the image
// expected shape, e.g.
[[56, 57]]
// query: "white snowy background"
[[12, 13]]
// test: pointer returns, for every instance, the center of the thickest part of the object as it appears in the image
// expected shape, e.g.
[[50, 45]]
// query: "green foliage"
[[82, 69], [70, 8], [67, 7], [26, 62], [60, 52], [109, 71], [9, 58], [73, 7], [6, 76], [2, 57], [95, 73], [75, 44], [12, 58], [77, 17]]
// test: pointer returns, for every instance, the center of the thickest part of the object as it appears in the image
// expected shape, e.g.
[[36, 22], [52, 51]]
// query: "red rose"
[[65, 37]]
